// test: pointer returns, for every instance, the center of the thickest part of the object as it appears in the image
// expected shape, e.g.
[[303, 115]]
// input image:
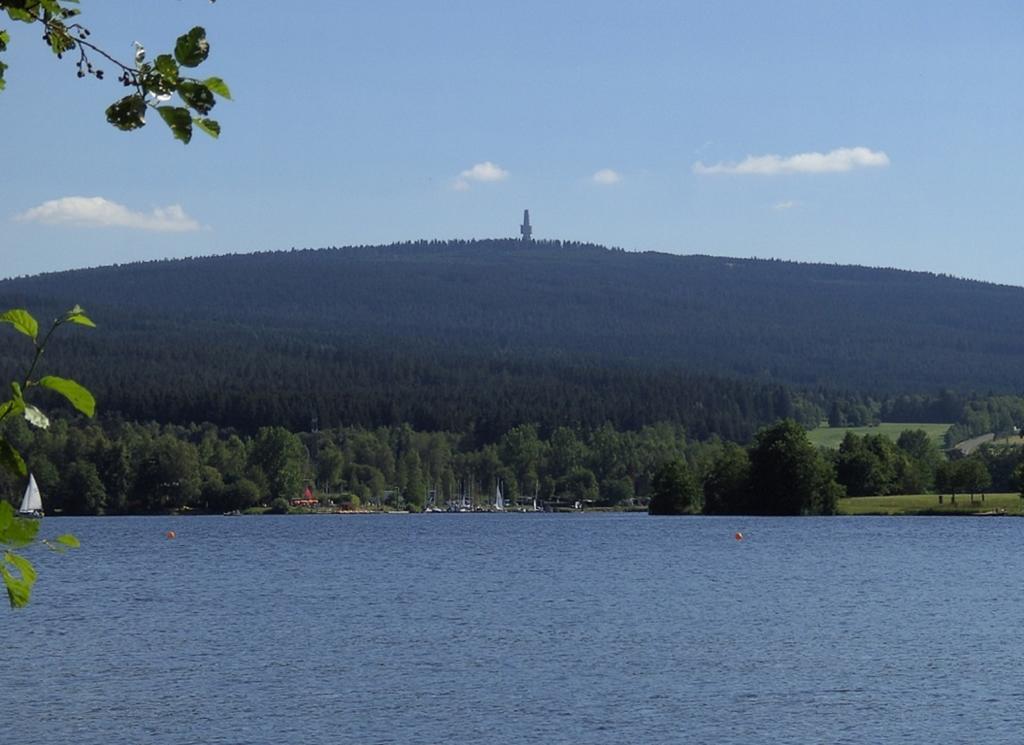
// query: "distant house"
[[306, 500]]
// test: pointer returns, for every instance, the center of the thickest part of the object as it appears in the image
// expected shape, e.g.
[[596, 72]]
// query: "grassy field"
[[928, 504], [830, 437]]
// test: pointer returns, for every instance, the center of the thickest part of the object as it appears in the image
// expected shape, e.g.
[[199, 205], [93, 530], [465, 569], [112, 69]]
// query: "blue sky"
[[876, 133]]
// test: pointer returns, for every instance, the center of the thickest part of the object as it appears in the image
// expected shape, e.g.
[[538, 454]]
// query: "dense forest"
[[477, 337]]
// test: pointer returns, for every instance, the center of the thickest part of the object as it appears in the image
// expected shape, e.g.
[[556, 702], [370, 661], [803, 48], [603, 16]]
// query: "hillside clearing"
[[830, 437]]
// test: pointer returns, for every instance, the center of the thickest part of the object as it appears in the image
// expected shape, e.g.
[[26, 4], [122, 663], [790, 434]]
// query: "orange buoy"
[[170, 535], [738, 536]]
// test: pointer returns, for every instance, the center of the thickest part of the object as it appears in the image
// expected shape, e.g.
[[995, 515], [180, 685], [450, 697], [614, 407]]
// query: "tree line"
[[114, 466], [782, 473], [117, 467]]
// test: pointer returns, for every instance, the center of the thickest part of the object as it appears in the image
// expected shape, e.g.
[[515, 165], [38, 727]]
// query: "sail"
[[32, 501], [499, 503]]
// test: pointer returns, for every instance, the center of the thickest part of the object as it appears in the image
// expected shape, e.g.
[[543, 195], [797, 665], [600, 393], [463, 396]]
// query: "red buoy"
[[170, 535], [738, 536]]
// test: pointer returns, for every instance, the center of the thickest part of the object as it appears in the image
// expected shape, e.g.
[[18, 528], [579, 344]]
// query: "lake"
[[520, 629]]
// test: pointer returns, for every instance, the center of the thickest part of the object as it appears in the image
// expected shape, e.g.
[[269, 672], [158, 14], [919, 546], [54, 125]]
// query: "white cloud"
[[786, 205], [606, 177], [97, 212], [835, 161], [485, 172]]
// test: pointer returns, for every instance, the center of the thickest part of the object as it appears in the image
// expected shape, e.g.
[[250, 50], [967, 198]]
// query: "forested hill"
[[483, 333]]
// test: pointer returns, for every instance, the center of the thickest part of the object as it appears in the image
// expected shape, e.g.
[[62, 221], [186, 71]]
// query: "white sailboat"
[[499, 502], [32, 502]]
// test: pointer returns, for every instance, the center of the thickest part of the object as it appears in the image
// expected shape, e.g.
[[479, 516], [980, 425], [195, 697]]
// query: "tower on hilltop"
[[525, 229]]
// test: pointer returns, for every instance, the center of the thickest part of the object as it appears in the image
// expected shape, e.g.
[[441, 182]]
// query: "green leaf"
[[192, 48], [36, 417], [21, 320], [23, 565], [16, 14], [82, 320], [62, 543], [16, 531], [61, 39], [209, 126], [77, 315], [179, 120], [51, 6], [197, 96], [19, 589], [167, 67], [156, 85], [218, 86], [68, 540], [14, 405], [76, 394], [11, 460], [129, 113]]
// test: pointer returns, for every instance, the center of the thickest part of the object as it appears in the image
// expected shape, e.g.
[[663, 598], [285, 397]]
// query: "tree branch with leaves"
[[16, 571], [180, 100]]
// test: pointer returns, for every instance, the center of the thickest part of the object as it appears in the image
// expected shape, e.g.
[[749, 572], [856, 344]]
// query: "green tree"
[[946, 480], [153, 84], [115, 469], [606, 457], [867, 465], [169, 477], [565, 452], [788, 476], [1018, 477], [1001, 461], [279, 506], [917, 474], [972, 476], [211, 487], [366, 482], [436, 452], [674, 490], [239, 494], [522, 450], [918, 445], [86, 494], [727, 482], [330, 462], [835, 415], [967, 475], [616, 492], [371, 448], [410, 477], [229, 456], [579, 485], [281, 457]]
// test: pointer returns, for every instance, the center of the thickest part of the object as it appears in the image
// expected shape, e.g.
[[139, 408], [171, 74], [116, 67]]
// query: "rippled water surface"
[[521, 629]]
